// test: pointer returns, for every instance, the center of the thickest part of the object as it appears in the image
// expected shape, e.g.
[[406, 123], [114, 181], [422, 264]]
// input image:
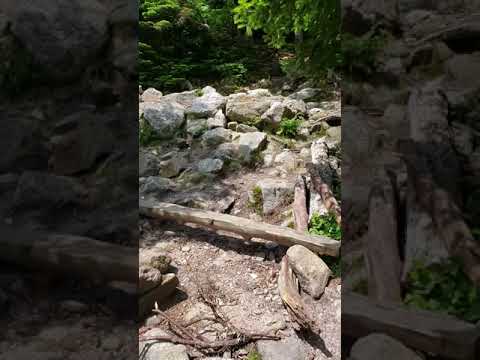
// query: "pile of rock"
[[156, 282]]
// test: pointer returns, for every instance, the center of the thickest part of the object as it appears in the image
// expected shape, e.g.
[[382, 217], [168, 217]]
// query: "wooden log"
[[288, 288], [68, 254], [245, 227], [421, 330], [325, 192], [451, 235], [382, 252], [300, 212]]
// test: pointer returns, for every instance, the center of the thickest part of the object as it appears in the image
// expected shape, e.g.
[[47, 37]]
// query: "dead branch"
[[300, 211], [322, 188], [289, 292]]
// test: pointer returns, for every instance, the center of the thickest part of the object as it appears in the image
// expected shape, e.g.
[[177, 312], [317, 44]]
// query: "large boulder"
[[207, 105], [248, 107], [311, 270], [165, 117], [62, 35], [160, 350], [86, 139], [276, 193], [37, 189], [380, 346], [151, 95], [185, 98], [250, 144], [216, 137], [210, 166], [147, 164]]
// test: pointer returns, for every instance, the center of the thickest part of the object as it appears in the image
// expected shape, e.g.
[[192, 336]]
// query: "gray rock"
[[226, 151], [172, 167], [196, 127], [156, 185], [216, 137], [219, 120], [210, 166], [147, 164], [39, 189], [290, 348], [79, 141], [45, 29], [287, 160], [151, 95], [259, 92], [251, 143], [247, 107], [294, 107], [305, 94], [155, 350], [335, 133], [312, 272], [206, 105], [165, 117], [148, 278], [275, 194], [380, 346], [185, 98], [158, 294], [243, 128], [274, 115]]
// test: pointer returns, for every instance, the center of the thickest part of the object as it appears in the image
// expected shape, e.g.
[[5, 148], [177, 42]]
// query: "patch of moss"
[[198, 92]]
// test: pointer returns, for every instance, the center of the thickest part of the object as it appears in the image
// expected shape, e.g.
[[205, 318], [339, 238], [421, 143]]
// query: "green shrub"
[[359, 53], [254, 355], [289, 128], [325, 225], [443, 287], [256, 203], [146, 134], [334, 263]]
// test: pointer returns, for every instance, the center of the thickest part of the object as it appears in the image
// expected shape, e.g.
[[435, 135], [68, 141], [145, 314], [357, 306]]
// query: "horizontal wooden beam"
[[70, 254], [244, 227], [421, 330]]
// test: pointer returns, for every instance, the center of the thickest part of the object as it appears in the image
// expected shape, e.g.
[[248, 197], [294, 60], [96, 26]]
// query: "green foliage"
[[359, 54], [256, 203], [194, 40], [146, 134], [254, 355], [310, 27], [289, 127], [443, 287], [325, 225], [198, 92], [335, 265]]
